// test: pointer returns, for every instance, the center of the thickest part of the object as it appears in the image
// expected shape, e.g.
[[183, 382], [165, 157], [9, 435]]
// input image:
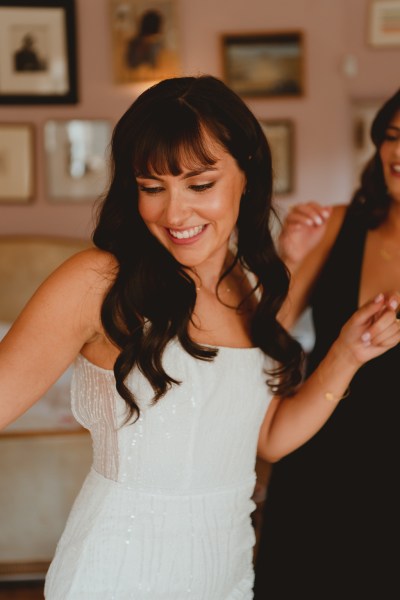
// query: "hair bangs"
[[174, 143]]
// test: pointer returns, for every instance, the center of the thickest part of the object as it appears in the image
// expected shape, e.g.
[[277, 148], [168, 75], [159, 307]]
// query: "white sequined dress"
[[164, 513]]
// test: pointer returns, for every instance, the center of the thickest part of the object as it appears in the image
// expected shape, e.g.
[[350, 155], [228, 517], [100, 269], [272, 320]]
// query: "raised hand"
[[302, 230], [372, 330]]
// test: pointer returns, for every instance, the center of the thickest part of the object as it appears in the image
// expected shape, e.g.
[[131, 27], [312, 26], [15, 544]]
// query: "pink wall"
[[323, 144]]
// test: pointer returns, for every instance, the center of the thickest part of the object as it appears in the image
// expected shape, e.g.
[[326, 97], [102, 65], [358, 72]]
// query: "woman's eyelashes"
[[392, 134], [202, 187], [150, 189], [156, 189]]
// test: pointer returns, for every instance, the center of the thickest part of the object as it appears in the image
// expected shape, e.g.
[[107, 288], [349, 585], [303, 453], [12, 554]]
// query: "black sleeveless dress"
[[331, 516]]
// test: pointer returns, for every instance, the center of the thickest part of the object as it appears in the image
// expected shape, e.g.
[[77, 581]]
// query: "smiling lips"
[[185, 236]]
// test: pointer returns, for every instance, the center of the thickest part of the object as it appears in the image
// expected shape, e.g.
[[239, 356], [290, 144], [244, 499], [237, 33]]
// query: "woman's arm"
[[292, 421], [61, 317], [308, 234]]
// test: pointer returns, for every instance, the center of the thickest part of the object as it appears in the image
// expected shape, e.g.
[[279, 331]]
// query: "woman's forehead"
[[187, 155]]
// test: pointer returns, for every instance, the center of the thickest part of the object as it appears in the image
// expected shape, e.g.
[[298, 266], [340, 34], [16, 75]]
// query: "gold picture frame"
[[145, 40], [384, 23], [77, 159], [17, 173], [264, 65], [280, 136]]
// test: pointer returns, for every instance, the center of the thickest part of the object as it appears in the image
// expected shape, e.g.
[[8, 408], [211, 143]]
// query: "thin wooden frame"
[[384, 23], [145, 40], [280, 136], [76, 153], [264, 65], [38, 52], [17, 173]]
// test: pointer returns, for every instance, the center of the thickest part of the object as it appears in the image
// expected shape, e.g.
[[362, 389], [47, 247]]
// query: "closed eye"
[[391, 137], [150, 190], [202, 187]]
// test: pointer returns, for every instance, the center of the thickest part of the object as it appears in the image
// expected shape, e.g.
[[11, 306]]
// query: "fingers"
[[385, 330], [380, 317], [368, 311], [308, 214]]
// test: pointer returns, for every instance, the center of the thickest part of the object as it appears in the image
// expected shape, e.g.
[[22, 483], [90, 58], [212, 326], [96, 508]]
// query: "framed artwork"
[[37, 52], [16, 163], [363, 112], [384, 23], [264, 64], [144, 39], [280, 134], [76, 158]]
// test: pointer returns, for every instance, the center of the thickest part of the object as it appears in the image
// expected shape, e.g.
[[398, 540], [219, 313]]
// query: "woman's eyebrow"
[[185, 176], [393, 127], [199, 171]]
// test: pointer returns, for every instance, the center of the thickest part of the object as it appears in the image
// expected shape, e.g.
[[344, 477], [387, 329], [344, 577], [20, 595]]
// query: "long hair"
[[152, 298], [372, 200]]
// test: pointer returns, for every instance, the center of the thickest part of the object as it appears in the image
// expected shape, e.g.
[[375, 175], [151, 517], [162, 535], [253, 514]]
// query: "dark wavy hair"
[[153, 296], [371, 200]]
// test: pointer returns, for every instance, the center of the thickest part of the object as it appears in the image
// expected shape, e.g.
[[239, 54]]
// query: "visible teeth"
[[187, 233], [396, 168]]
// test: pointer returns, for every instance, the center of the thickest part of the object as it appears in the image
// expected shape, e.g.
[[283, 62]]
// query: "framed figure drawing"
[[37, 52], [262, 65], [144, 39], [76, 158], [279, 133], [16, 163]]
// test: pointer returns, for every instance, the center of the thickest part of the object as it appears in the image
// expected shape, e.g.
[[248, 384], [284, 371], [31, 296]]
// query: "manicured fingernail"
[[318, 220], [309, 222], [325, 213], [378, 298], [366, 336]]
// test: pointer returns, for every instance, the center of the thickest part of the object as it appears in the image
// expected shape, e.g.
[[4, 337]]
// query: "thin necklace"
[[199, 287], [389, 254]]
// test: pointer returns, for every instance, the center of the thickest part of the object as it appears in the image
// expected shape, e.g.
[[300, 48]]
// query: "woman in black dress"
[[332, 512]]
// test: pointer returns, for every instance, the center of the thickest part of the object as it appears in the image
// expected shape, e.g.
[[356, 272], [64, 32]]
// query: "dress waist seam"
[[179, 493]]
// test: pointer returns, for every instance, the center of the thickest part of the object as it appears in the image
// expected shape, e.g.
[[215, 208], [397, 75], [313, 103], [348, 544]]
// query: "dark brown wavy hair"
[[371, 200], [152, 298]]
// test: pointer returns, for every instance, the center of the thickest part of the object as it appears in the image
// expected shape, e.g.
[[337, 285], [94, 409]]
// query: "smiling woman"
[[174, 375], [194, 213]]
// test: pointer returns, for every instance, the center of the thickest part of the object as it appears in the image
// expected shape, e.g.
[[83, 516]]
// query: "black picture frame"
[[38, 55]]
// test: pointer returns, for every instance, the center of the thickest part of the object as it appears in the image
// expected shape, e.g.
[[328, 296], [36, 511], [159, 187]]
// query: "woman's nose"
[[177, 209]]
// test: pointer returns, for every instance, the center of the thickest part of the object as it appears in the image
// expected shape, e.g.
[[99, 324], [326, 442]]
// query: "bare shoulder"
[[92, 268], [73, 294]]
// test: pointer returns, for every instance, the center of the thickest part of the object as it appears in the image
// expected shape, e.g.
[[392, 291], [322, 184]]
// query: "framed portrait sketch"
[[384, 23], [144, 39], [280, 136], [264, 64], [37, 52], [16, 163], [76, 158]]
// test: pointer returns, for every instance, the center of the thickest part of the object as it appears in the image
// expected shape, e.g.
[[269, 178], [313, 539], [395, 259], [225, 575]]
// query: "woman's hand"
[[302, 230], [372, 330], [292, 421]]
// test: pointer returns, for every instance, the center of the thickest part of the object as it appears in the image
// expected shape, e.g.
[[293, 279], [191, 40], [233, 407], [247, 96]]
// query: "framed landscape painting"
[[262, 65]]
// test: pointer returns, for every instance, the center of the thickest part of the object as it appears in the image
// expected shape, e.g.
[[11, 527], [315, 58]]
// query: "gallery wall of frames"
[[54, 143]]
